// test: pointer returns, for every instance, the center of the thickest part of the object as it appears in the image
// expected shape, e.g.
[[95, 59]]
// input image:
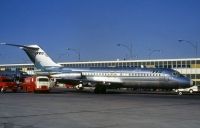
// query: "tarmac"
[[88, 110]]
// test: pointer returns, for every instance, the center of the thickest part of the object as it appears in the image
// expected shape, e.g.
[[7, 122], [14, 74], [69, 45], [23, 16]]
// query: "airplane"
[[104, 78]]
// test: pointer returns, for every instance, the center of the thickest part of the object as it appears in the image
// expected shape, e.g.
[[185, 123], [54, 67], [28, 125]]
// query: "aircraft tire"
[[191, 91], [100, 89]]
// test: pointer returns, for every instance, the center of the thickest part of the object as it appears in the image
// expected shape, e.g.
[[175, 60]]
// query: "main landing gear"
[[100, 89]]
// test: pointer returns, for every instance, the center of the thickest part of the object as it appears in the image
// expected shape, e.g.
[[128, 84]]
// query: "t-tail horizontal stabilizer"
[[20, 46], [38, 56]]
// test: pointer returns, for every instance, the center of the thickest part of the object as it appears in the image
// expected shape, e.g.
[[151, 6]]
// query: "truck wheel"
[[27, 89], [14, 90], [191, 91], [2, 90], [180, 93]]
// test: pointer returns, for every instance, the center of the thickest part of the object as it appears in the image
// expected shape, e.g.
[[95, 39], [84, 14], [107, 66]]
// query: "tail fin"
[[38, 56]]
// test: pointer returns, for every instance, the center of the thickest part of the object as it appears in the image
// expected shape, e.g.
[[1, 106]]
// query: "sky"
[[95, 27]]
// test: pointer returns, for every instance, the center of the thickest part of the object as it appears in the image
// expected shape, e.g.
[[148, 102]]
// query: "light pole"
[[129, 48], [194, 45], [153, 51], [76, 51], [61, 55]]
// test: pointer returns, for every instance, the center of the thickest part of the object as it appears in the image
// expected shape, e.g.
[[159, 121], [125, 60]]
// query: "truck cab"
[[7, 84]]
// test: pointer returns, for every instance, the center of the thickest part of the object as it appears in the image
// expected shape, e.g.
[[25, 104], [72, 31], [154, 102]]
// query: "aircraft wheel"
[[100, 89], [79, 87], [191, 91]]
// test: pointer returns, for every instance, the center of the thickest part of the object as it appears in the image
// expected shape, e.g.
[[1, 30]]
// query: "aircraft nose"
[[186, 82]]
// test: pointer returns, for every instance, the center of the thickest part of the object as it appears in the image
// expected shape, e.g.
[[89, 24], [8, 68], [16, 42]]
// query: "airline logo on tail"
[[40, 59]]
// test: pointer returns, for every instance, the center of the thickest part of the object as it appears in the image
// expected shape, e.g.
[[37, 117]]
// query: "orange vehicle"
[[7, 84], [36, 84]]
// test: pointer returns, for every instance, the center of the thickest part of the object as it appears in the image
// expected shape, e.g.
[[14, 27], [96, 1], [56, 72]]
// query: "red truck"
[[36, 84], [7, 84]]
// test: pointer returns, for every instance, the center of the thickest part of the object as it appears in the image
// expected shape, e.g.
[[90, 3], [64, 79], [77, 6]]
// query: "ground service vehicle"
[[36, 84], [190, 90], [7, 84]]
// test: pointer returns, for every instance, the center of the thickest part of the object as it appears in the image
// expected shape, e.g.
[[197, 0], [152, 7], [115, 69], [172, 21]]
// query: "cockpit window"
[[176, 74]]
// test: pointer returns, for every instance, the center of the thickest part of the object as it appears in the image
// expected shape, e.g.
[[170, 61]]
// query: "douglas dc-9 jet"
[[109, 77]]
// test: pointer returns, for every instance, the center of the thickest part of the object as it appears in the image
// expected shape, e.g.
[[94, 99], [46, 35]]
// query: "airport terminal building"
[[189, 67]]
